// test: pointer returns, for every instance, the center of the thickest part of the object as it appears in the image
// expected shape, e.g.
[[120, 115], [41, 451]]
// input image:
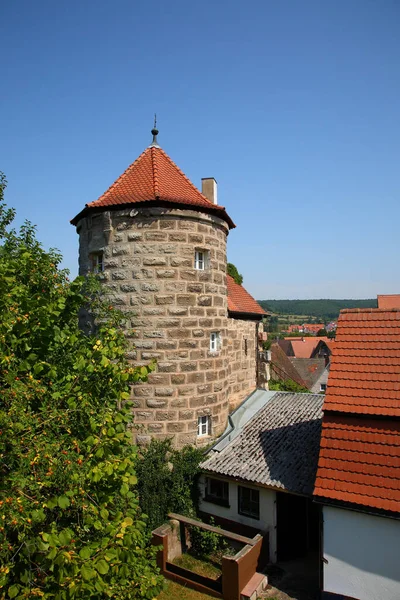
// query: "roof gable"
[[304, 347]]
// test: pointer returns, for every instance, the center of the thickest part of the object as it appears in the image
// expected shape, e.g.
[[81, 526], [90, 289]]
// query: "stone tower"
[[159, 245]]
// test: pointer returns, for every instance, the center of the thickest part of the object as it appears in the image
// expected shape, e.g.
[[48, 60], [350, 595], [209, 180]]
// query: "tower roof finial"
[[154, 132]]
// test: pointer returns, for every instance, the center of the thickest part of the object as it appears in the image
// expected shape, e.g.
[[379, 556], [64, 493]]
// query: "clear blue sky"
[[293, 106]]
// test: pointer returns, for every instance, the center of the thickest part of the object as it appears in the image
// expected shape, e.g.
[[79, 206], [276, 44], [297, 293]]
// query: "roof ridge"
[[155, 171], [368, 310]]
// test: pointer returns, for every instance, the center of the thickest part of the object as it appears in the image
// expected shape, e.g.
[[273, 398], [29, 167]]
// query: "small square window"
[[248, 502], [217, 491], [215, 341], [200, 260], [204, 426], [322, 387], [96, 262]]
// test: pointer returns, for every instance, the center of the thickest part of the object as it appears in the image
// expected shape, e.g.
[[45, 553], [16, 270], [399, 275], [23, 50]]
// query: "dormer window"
[[97, 262]]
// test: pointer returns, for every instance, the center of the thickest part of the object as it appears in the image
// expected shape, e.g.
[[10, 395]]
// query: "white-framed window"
[[97, 262], [204, 425], [200, 260], [322, 387], [215, 341], [248, 502]]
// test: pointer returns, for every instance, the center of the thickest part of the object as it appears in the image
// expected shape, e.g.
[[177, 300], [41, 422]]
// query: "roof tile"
[[154, 176], [359, 459], [277, 447], [240, 301]]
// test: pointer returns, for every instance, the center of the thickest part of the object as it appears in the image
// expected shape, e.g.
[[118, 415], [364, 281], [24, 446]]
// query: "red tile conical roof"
[[154, 177]]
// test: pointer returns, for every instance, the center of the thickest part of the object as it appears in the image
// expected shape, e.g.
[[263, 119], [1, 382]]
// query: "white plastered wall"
[[361, 555], [267, 521]]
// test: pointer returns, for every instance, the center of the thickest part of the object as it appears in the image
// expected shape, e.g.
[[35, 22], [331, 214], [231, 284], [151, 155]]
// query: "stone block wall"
[[242, 352], [148, 257]]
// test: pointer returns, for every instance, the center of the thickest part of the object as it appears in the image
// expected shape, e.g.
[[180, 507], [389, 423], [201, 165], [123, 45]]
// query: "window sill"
[[249, 516], [219, 501]]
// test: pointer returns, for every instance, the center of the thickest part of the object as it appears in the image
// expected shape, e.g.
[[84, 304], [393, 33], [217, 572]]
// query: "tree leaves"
[[102, 567], [63, 501], [67, 491]]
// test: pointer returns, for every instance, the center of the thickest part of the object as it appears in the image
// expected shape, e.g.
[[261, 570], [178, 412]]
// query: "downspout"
[[257, 358]]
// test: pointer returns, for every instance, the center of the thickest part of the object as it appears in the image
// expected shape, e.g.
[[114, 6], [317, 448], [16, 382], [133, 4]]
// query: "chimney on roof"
[[209, 189], [388, 301]]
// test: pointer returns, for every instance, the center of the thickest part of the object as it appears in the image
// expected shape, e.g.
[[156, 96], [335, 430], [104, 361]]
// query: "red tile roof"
[[359, 459], [359, 462], [154, 177], [240, 301], [365, 366], [389, 301], [304, 347]]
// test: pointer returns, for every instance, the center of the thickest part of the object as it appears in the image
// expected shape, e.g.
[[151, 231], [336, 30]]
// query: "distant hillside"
[[323, 309]]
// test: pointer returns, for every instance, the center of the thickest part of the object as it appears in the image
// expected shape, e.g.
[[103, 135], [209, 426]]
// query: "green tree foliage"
[[326, 310], [70, 521], [322, 333], [234, 273], [286, 386], [167, 481]]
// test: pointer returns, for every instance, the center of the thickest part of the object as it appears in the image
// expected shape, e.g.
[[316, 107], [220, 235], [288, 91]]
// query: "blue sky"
[[293, 106]]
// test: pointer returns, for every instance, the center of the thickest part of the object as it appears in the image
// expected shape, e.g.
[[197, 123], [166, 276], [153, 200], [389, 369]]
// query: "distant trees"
[[322, 333], [324, 309], [234, 273]]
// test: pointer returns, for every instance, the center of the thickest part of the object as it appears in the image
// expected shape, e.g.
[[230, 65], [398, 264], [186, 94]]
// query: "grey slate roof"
[[279, 446], [309, 369]]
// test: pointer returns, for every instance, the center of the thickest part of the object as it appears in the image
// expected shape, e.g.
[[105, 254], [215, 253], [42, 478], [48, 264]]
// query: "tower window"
[[97, 262], [215, 341], [200, 260], [204, 426]]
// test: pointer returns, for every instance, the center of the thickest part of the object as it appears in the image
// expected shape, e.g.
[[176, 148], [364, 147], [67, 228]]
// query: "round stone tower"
[[159, 246]]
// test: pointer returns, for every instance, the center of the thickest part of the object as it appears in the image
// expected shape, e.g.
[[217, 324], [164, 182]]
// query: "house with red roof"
[[358, 476], [312, 328], [309, 357]]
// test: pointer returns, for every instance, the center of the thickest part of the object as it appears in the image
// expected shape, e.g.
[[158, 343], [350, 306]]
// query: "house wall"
[[323, 378], [242, 357], [361, 555], [267, 521]]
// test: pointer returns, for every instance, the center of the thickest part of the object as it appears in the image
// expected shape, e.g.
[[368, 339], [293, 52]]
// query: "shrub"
[[167, 481], [206, 543]]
